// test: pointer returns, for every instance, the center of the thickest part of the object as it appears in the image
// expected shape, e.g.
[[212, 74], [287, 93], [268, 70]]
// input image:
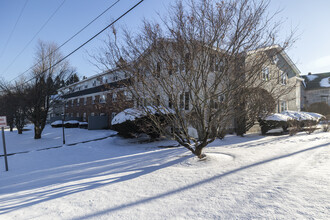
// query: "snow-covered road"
[[243, 178]]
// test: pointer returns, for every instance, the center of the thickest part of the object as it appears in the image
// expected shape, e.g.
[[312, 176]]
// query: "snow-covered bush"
[[274, 121], [132, 122], [293, 119], [83, 124], [56, 124], [71, 124]]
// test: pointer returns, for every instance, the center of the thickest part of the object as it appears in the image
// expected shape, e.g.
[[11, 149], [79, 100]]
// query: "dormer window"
[[265, 74], [275, 59]]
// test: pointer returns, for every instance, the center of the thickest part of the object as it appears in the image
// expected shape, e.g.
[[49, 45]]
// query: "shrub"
[[56, 124], [133, 128], [319, 107], [295, 127], [310, 126], [267, 125]]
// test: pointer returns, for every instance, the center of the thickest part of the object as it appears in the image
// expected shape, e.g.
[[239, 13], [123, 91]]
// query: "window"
[[102, 98], [86, 86], [113, 114], [158, 67], [115, 77], [324, 99], [92, 113], [128, 95], [85, 100], [283, 106], [170, 102], [93, 100], [184, 101], [66, 104], [94, 83], [71, 114], [77, 114], [114, 97], [84, 116], [186, 106], [72, 103], [181, 101], [170, 67], [265, 74], [283, 78], [78, 100], [157, 101]]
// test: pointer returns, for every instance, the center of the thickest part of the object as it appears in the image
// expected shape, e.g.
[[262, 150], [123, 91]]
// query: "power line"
[[42, 27], [69, 39], [90, 39], [12, 31]]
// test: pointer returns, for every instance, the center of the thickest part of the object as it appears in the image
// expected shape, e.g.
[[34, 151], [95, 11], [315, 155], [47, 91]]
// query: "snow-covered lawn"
[[51, 137], [254, 177]]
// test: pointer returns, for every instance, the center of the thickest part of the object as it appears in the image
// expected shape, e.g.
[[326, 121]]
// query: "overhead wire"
[[107, 9], [86, 42], [42, 27], [14, 28]]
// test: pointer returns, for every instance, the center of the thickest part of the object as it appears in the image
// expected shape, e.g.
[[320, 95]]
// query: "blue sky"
[[311, 53]]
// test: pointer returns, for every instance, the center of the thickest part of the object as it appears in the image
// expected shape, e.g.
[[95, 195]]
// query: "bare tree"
[[197, 65], [15, 104], [48, 77]]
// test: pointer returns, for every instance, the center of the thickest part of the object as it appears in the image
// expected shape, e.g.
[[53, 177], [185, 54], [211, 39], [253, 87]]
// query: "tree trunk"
[[37, 132], [20, 131], [198, 151]]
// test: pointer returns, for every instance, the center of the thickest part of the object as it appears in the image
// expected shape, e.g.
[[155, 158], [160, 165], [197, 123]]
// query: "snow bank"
[[311, 77]]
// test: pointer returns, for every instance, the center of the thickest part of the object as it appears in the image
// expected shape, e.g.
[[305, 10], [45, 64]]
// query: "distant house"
[[316, 88]]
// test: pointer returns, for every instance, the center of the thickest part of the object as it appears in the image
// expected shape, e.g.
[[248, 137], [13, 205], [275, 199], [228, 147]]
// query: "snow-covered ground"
[[51, 137], [253, 177]]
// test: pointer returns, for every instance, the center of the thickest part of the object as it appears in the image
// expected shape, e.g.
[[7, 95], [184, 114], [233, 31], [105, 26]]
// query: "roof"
[[317, 81], [284, 55]]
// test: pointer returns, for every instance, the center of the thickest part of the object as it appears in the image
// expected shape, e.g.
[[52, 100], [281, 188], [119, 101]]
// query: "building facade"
[[316, 88]]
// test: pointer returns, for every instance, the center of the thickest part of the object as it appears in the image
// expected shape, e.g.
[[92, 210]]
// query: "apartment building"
[[103, 94]]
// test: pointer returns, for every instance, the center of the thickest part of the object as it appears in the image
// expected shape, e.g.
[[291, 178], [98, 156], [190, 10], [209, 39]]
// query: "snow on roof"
[[278, 117], [325, 82], [311, 77], [131, 114]]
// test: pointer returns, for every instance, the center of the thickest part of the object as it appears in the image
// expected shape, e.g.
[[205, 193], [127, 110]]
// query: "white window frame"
[[102, 98], [265, 74], [283, 106], [114, 97], [284, 77]]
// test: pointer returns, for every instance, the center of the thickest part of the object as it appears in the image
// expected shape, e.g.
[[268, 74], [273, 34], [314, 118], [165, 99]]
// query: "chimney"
[[309, 73]]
